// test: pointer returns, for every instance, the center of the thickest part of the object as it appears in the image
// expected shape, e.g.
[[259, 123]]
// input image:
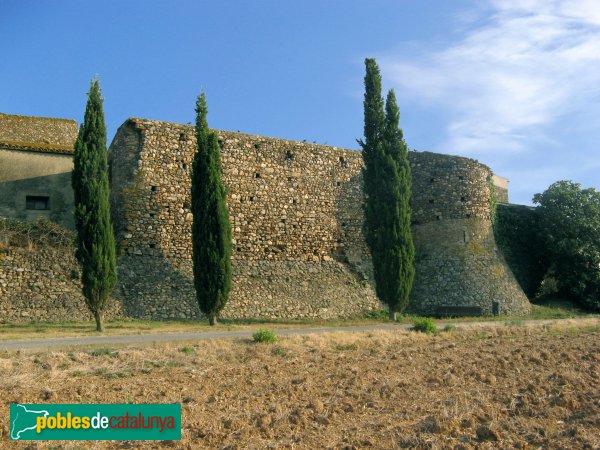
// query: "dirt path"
[[123, 340]]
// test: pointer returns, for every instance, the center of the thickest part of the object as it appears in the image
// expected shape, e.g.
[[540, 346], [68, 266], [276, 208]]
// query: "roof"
[[40, 134]]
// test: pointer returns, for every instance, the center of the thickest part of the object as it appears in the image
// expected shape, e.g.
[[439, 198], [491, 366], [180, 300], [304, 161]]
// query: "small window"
[[36, 202]]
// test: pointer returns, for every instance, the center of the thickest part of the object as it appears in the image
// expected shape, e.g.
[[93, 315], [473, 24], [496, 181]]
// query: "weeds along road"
[[145, 339]]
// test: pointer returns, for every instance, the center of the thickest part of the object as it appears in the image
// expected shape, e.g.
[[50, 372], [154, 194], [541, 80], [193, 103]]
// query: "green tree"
[[95, 239], [387, 181], [211, 231], [570, 227]]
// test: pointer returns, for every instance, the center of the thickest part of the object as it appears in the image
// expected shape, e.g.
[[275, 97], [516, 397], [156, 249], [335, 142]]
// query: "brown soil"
[[485, 388]]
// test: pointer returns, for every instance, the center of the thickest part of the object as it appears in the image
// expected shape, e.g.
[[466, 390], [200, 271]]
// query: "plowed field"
[[508, 386]]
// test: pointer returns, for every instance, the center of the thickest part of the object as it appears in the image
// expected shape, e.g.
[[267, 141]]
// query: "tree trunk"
[[99, 324], [212, 320], [393, 316]]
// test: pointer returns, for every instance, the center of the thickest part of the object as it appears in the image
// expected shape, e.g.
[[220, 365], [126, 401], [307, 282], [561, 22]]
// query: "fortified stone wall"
[[296, 217], [296, 213]]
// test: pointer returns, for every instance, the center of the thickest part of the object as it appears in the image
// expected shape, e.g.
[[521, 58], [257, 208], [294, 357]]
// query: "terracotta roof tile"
[[43, 134]]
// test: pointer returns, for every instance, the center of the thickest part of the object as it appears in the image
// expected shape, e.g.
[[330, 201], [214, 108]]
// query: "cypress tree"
[[211, 231], [95, 239], [402, 251], [387, 183]]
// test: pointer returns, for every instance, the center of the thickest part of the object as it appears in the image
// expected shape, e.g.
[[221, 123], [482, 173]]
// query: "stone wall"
[[41, 282], [296, 216], [296, 213]]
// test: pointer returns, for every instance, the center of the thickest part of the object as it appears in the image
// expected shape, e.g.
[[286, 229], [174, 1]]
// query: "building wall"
[[29, 173], [296, 213], [501, 186]]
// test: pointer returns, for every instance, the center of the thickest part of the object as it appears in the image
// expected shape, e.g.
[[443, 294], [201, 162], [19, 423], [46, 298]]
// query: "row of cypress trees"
[[387, 182]]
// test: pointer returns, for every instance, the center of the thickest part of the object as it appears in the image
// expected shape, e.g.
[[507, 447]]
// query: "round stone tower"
[[459, 269]]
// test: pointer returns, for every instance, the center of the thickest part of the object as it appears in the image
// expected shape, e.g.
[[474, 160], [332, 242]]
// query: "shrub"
[[264, 336], [424, 325]]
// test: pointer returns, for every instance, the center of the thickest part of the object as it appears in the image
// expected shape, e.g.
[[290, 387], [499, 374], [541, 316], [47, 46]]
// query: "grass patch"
[[448, 328], [345, 347], [513, 323], [187, 349], [279, 351], [266, 336], [424, 325], [105, 351]]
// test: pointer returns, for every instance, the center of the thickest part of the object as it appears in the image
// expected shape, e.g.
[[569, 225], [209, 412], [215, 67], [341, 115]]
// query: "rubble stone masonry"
[[296, 214]]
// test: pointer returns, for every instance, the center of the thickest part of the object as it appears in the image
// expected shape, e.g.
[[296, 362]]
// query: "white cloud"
[[511, 76]]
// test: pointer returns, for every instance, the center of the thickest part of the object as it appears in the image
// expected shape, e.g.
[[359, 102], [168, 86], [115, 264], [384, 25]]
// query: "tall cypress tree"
[[402, 251], [387, 182], [95, 239], [211, 231]]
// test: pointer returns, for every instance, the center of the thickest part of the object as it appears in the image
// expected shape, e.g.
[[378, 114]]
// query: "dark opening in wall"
[[184, 166], [186, 205], [257, 175], [257, 146], [338, 183], [468, 216], [294, 201], [182, 136], [289, 155], [154, 188], [290, 179], [37, 202], [252, 198], [152, 245], [461, 178], [463, 199], [431, 201], [495, 308], [238, 249], [343, 162], [152, 215], [438, 217], [343, 224], [432, 180]]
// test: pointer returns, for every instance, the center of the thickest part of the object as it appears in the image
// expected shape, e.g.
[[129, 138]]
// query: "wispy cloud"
[[514, 73]]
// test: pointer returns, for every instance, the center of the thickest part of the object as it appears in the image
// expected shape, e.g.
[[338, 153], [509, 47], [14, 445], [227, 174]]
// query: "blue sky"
[[512, 83]]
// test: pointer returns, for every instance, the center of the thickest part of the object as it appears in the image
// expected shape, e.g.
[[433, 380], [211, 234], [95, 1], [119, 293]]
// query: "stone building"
[[297, 218], [36, 159], [296, 213]]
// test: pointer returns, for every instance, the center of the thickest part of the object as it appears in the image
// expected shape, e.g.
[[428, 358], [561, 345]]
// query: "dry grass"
[[519, 386], [39, 330]]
